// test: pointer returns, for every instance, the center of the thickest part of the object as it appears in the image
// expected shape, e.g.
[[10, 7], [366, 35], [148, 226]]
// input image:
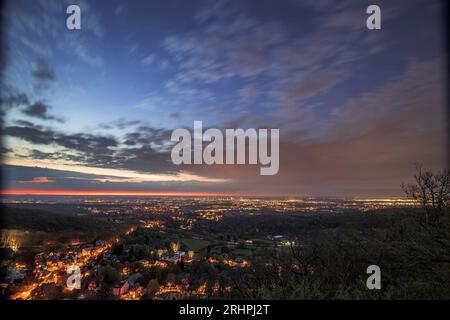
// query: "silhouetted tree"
[[432, 191]]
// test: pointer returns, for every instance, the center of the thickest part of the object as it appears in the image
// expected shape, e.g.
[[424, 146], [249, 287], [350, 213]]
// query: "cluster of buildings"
[[51, 268], [15, 272], [48, 276]]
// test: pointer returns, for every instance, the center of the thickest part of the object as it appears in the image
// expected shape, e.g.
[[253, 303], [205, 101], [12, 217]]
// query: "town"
[[168, 248]]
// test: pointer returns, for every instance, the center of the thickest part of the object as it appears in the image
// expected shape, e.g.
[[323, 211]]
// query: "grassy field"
[[242, 251], [195, 244]]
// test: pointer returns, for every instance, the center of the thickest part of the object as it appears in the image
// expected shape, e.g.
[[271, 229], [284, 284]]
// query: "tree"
[[139, 252], [152, 287], [171, 279], [10, 241], [117, 249], [431, 191], [109, 275], [175, 246]]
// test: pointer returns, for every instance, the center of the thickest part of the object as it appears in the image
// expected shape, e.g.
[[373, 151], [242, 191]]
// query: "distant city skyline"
[[91, 111]]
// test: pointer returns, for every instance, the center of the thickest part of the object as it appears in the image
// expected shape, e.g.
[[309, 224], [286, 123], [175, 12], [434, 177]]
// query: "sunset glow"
[[115, 193]]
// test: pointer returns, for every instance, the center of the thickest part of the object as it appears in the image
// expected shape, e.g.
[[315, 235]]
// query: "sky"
[[93, 109]]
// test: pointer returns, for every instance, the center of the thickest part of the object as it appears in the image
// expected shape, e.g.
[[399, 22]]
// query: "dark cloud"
[[33, 134], [40, 110], [14, 100], [82, 142], [24, 123], [133, 138], [41, 71], [150, 152], [174, 115], [4, 150], [120, 124], [146, 159], [39, 155], [144, 135], [11, 98]]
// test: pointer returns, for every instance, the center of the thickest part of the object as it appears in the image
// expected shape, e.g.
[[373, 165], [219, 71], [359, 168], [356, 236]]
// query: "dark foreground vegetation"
[[242, 256], [413, 258]]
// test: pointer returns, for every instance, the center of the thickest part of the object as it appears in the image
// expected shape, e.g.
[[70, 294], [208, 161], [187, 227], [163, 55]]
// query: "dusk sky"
[[93, 109]]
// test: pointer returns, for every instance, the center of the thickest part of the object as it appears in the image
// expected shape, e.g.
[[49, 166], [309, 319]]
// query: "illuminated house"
[[92, 286], [124, 286], [121, 288]]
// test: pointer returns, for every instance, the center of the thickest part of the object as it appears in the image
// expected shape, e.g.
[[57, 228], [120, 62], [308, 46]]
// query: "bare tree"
[[431, 191]]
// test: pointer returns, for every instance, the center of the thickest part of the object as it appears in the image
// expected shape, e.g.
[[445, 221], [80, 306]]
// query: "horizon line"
[[115, 193], [72, 192]]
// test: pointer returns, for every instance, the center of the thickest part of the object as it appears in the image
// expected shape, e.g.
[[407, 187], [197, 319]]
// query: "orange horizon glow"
[[114, 193]]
